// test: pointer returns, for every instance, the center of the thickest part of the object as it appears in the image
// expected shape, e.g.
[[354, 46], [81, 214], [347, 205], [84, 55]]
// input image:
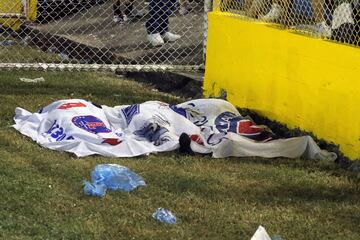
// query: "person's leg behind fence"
[[157, 25]]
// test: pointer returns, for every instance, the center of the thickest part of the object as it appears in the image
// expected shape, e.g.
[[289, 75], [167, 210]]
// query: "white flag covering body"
[[215, 126]]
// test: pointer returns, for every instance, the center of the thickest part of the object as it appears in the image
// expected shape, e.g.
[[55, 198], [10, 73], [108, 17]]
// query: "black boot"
[[184, 141]]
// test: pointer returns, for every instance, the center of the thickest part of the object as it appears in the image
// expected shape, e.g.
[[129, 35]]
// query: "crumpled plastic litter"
[[164, 215], [52, 49], [6, 43], [26, 40], [261, 234], [113, 177], [63, 56], [35, 80], [97, 190]]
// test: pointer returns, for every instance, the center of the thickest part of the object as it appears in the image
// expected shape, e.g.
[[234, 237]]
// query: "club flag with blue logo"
[[213, 126]]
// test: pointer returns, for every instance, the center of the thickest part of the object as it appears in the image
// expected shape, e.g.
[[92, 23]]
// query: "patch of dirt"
[[173, 83]]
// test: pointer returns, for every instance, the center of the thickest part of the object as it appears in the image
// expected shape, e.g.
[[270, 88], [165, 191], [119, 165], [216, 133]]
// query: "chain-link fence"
[[331, 19], [117, 34]]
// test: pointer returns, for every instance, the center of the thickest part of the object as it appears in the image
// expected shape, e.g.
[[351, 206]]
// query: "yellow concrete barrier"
[[300, 81], [16, 7]]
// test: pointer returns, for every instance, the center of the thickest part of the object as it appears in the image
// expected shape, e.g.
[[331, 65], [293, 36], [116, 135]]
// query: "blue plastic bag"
[[97, 190], [164, 215], [113, 177]]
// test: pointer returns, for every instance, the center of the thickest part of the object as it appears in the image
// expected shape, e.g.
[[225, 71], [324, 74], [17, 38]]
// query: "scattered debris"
[[113, 177], [26, 41], [93, 189], [7, 43], [64, 56], [85, 61], [52, 49], [164, 215], [35, 80], [261, 234]]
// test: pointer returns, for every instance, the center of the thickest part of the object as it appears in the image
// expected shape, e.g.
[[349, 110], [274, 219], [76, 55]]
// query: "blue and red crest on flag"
[[90, 123]]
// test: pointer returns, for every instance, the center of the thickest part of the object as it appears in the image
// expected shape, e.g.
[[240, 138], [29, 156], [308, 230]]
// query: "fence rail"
[[133, 35]]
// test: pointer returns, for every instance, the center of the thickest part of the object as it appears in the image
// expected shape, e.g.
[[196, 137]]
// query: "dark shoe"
[[185, 141]]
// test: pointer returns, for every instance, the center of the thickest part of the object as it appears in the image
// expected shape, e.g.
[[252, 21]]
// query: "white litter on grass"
[[260, 234], [35, 80]]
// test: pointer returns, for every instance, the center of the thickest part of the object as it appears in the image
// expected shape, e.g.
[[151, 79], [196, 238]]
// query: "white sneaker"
[[274, 14], [322, 30], [170, 37], [155, 39]]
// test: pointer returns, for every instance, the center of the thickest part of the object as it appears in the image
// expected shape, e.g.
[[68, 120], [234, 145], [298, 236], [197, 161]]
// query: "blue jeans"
[[159, 13]]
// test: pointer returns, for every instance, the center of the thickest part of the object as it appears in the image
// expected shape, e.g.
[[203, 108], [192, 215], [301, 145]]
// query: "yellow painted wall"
[[298, 80], [15, 6]]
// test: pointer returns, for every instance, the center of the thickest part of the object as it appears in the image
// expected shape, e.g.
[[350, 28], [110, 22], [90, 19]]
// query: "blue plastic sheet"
[[97, 190], [164, 215], [113, 177]]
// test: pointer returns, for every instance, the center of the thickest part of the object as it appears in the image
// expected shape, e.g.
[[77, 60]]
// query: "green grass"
[[26, 54], [41, 190]]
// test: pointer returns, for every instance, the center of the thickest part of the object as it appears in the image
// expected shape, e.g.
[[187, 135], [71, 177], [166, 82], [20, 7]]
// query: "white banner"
[[213, 126]]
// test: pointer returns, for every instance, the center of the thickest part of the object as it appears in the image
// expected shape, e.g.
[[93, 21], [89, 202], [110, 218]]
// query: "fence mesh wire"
[[133, 34], [331, 19]]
